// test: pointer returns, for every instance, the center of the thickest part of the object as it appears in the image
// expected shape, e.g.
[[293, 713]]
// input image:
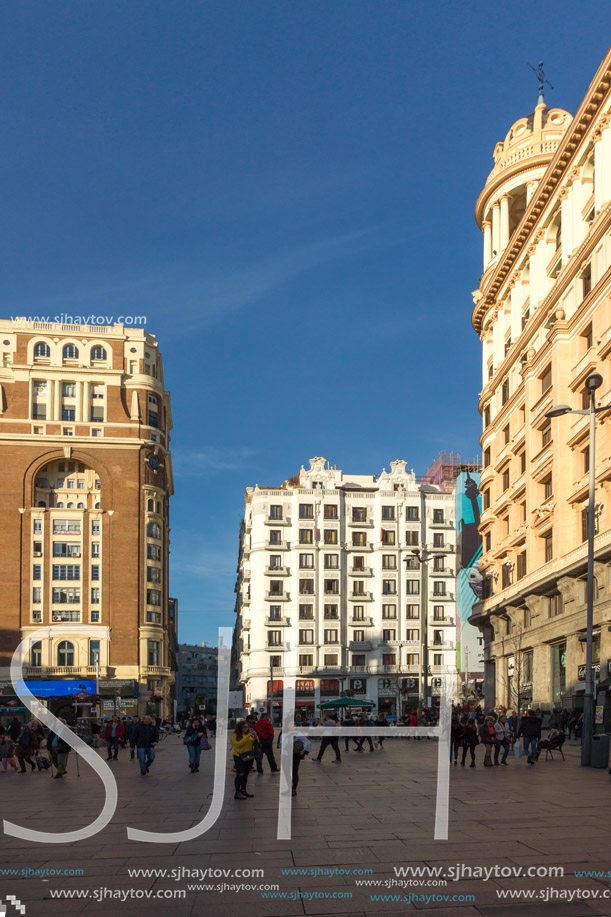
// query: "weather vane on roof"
[[540, 72]]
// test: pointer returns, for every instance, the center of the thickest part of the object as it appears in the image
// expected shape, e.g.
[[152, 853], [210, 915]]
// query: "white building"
[[328, 569]]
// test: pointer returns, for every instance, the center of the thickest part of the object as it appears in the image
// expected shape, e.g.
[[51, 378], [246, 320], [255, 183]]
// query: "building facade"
[[328, 567], [85, 485], [543, 314], [197, 677]]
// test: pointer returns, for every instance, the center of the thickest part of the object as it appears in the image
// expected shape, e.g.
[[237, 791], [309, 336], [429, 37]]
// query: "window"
[[69, 390], [358, 562], [389, 562], [388, 634], [306, 561], [388, 537], [153, 552], [389, 659], [546, 380], [153, 412], [411, 538], [437, 516], [505, 479], [487, 416], [330, 536], [412, 659], [305, 636], [153, 617], [306, 510], [275, 512], [388, 513], [275, 612], [487, 542], [276, 586], [439, 564], [546, 435], [413, 587], [486, 499], [331, 561], [68, 414], [96, 431], [98, 354], [275, 561], [438, 540], [306, 586], [331, 636], [65, 653], [522, 462], [490, 371], [359, 660], [305, 660], [521, 565], [36, 654], [36, 572], [275, 662], [586, 459], [412, 514], [37, 526], [554, 605], [528, 617], [42, 350], [547, 488], [389, 587], [153, 596], [437, 659], [438, 612], [412, 563], [586, 286], [275, 536], [413, 634], [358, 587], [331, 586], [94, 652], [153, 574], [153, 652], [66, 571], [95, 528], [505, 434], [412, 611], [153, 530], [95, 572], [439, 587], [330, 512], [63, 549], [306, 612], [359, 539], [358, 636], [359, 514], [584, 525], [306, 536], [36, 595], [358, 613], [70, 352], [67, 431], [548, 547], [95, 595], [505, 392], [507, 346], [274, 638]]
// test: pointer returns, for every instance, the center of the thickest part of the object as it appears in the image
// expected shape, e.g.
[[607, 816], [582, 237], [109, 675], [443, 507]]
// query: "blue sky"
[[286, 191]]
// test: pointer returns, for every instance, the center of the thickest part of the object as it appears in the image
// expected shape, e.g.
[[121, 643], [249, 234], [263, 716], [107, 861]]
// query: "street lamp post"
[[593, 382], [423, 559]]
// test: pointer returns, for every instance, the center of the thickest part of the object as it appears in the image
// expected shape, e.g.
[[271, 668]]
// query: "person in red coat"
[[112, 735], [265, 732]]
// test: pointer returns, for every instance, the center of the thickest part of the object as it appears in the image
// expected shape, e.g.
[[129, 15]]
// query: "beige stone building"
[[85, 485], [543, 314]]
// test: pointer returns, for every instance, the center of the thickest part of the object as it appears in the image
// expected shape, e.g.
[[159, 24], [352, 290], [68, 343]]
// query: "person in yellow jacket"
[[242, 743]]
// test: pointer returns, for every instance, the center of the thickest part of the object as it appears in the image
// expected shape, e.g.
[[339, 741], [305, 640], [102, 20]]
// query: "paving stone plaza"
[[373, 812]]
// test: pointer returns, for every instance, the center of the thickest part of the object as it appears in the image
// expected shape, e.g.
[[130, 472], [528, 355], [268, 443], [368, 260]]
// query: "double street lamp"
[[593, 382]]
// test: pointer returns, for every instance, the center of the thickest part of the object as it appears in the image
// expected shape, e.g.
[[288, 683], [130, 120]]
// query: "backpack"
[[298, 747]]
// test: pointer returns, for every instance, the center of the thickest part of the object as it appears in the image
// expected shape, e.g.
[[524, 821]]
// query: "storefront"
[[118, 697]]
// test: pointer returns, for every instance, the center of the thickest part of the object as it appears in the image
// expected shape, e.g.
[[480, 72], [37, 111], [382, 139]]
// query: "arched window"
[[41, 503], [98, 353], [65, 653], [97, 506], [36, 654], [153, 530], [70, 506], [70, 352], [80, 506], [42, 350], [60, 505], [151, 506]]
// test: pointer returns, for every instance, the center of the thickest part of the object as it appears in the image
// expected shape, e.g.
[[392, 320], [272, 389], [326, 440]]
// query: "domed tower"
[[519, 163]]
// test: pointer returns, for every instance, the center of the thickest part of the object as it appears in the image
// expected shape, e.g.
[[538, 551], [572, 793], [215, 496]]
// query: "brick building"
[[85, 483]]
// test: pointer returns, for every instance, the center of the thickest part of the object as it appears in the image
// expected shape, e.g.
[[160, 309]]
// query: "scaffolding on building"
[[445, 469]]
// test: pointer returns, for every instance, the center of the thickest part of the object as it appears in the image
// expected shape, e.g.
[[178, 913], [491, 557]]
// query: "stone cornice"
[[597, 92]]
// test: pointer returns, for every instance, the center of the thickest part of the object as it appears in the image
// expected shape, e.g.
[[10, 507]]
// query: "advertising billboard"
[[469, 581]]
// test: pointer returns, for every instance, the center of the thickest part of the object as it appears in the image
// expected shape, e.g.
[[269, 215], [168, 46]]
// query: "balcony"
[[443, 621], [272, 597], [274, 546], [358, 548], [79, 670], [277, 571], [360, 571], [367, 524], [442, 548], [359, 669], [155, 670], [278, 622], [361, 597], [284, 521], [361, 622], [441, 597]]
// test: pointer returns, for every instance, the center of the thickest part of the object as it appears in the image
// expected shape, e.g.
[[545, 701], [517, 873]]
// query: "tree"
[[519, 667]]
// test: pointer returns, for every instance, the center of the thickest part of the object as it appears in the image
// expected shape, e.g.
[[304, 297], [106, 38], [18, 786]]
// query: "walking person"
[[145, 736], [470, 741], [530, 731], [132, 741], [456, 734], [365, 723], [329, 739], [487, 738], [14, 730], [242, 743], [112, 735], [383, 722], [59, 749], [350, 722], [7, 753], [193, 739], [301, 748], [95, 733], [501, 739], [265, 732], [27, 745]]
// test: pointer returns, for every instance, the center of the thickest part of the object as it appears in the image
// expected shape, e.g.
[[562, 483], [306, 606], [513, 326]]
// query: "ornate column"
[[487, 227], [504, 231], [55, 390], [567, 222], [531, 187], [78, 413], [496, 229]]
